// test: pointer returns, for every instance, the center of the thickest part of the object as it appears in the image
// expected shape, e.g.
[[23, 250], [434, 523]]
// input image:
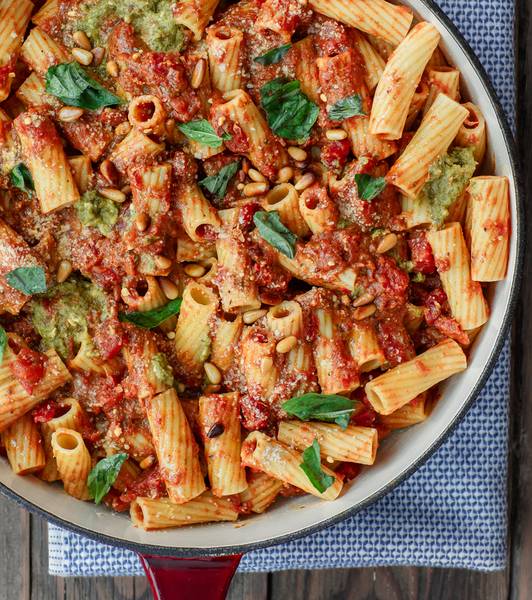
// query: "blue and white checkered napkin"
[[450, 513]]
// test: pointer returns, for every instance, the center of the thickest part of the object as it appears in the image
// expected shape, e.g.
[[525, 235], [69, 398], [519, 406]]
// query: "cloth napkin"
[[453, 511]]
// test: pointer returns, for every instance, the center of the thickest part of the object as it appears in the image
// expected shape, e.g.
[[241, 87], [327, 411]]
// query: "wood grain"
[[15, 564]]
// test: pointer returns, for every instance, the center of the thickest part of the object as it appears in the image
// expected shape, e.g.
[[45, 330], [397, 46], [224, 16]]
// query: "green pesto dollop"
[[61, 316], [96, 211], [152, 20], [161, 370], [448, 178]]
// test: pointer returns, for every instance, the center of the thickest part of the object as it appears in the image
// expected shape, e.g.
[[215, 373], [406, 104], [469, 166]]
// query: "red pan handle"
[[205, 578]]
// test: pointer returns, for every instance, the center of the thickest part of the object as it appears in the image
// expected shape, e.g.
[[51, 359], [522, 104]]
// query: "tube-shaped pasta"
[[261, 492], [40, 51], [467, 302], [225, 340], [14, 399], [219, 416], [71, 419], [488, 231], [364, 143], [188, 250], [352, 444], [263, 149], [285, 319], [175, 447], [364, 346], [24, 446], [150, 297], [199, 216], [281, 462], [14, 19], [442, 80], [74, 462], [194, 14], [373, 61], [284, 199], [419, 100], [437, 130], [135, 147], [415, 211], [398, 83], [306, 71], [472, 133], [317, 209], [379, 18], [54, 183], [238, 290], [337, 371], [192, 336], [224, 46], [149, 513], [414, 412], [147, 113], [81, 168], [257, 349], [393, 389]]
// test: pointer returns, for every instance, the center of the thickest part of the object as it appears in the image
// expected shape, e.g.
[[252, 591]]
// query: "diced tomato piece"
[[393, 283], [29, 368], [150, 484], [451, 328], [334, 154], [421, 254], [395, 342], [48, 410], [109, 338], [348, 471]]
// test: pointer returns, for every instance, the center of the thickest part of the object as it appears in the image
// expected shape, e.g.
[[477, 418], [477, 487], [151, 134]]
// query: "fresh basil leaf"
[[104, 474], [331, 408], [275, 233], [3, 343], [21, 178], [369, 187], [70, 83], [28, 280], [346, 107], [289, 112], [273, 56], [154, 317], [203, 132], [217, 184], [311, 466]]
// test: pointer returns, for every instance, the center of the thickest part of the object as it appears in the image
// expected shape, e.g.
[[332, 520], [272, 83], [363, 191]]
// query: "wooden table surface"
[[23, 537]]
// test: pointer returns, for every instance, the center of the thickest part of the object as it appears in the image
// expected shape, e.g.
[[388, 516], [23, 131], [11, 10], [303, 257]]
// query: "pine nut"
[[286, 344], [180, 386], [387, 243], [69, 114], [335, 134], [285, 174], [364, 311], [297, 153], [109, 172], [113, 194], [81, 39], [162, 262], [112, 68], [142, 221], [171, 335], [198, 74], [257, 176], [364, 299], [84, 57], [123, 128], [126, 189], [124, 292], [306, 181], [146, 462], [170, 289], [194, 270], [63, 271], [213, 373], [323, 97], [251, 316], [255, 189], [98, 53]]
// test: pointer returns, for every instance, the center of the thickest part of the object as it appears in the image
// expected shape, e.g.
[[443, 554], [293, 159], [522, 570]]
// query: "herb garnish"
[[217, 184], [70, 83], [311, 466], [28, 280], [202, 131], [369, 187], [273, 56], [104, 474], [331, 408], [275, 233], [21, 178], [346, 107], [154, 317], [3, 343]]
